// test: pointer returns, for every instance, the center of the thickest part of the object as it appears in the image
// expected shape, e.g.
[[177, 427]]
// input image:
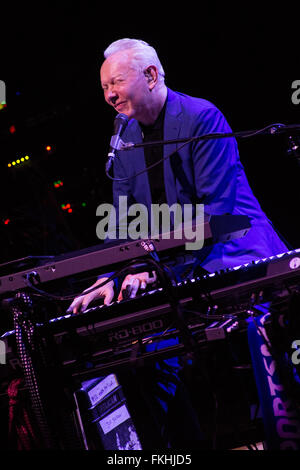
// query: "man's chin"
[[123, 108]]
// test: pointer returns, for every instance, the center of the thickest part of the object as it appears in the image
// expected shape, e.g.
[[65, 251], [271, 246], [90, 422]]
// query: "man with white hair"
[[206, 172]]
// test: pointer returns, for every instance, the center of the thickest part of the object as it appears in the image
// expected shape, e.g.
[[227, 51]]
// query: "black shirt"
[[152, 155]]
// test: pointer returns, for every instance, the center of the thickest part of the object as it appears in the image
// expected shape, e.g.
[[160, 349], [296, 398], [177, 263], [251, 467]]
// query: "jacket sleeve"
[[215, 163]]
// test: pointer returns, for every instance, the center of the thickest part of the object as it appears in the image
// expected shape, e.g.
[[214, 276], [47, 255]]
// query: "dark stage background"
[[242, 59]]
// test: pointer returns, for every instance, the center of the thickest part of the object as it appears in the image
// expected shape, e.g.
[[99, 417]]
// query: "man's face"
[[125, 88]]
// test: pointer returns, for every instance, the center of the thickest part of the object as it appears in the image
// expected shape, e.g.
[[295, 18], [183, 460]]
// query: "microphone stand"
[[272, 129]]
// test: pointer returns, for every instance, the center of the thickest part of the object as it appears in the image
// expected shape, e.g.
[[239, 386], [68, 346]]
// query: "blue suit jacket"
[[207, 172]]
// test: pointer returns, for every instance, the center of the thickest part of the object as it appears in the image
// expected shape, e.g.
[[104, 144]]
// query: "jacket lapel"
[[136, 158], [172, 126], [136, 161]]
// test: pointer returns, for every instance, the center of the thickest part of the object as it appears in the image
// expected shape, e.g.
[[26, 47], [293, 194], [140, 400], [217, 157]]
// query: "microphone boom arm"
[[271, 129]]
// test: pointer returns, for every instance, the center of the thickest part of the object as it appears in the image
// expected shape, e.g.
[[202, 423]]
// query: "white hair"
[[144, 54]]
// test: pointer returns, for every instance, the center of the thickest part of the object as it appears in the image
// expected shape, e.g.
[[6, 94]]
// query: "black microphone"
[[120, 125]]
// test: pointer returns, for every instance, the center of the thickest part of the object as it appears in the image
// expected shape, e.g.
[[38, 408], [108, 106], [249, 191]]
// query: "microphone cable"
[[243, 135]]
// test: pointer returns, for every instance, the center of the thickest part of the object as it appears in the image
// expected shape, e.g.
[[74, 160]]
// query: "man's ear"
[[151, 73]]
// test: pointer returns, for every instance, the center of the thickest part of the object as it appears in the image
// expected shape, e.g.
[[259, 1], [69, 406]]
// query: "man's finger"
[[108, 298], [87, 299], [84, 306], [153, 278], [134, 288], [126, 283], [75, 305], [123, 288]]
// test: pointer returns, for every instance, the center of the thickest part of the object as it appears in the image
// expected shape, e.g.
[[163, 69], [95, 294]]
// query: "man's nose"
[[112, 96]]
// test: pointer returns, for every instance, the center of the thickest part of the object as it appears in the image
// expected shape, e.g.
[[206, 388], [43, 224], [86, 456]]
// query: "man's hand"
[[107, 291], [133, 282]]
